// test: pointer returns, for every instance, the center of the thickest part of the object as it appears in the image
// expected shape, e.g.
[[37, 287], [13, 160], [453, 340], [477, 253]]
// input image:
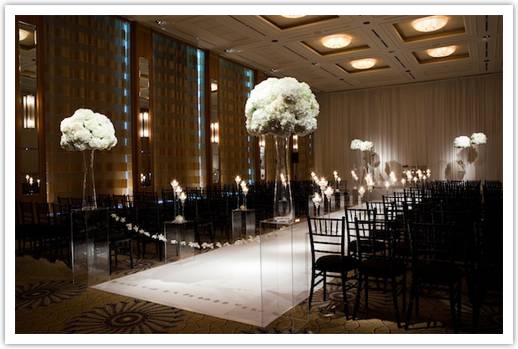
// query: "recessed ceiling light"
[[336, 41], [441, 51], [23, 34], [365, 63], [430, 23], [293, 16]]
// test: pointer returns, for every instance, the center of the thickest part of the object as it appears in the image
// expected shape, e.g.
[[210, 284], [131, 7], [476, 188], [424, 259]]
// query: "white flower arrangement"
[[281, 107], [462, 142], [87, 130], [356, 144], [478, 138], [366, 146]]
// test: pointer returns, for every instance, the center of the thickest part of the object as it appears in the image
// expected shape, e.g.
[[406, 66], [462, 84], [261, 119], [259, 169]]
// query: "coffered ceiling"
[[283, 46]]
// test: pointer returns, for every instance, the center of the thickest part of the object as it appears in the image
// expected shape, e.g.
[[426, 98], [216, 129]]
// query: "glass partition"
[[285, 272], [90, 246]]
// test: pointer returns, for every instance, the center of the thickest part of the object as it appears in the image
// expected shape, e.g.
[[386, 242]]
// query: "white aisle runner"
[[227, 282]]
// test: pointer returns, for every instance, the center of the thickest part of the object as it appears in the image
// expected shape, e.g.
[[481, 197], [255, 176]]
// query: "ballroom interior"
[[258, 174]]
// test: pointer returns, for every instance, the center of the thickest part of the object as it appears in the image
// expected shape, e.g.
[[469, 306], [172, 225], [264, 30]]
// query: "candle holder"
[[31, 187]]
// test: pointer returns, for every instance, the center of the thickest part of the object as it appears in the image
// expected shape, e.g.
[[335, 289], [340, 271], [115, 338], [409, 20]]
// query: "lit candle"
[[27, 178], [182, 197], [393, 177], [238, 180], [31, 181], [317, 199], [38, 181], [361, 191], [328, 192], [283, 180], [387, 185], [174, 184]]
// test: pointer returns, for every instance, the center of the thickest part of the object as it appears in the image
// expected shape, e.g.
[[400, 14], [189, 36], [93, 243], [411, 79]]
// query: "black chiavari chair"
[[434, 267], [380, 265], [328, 255]]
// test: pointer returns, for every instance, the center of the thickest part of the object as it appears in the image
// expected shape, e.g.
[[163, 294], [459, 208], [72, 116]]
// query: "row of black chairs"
[[43, 229], [441, 235]]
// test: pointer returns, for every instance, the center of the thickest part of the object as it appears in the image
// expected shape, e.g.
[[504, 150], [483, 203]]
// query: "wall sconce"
[[144, 123], [295, 143], [29, 111], [214, 132]]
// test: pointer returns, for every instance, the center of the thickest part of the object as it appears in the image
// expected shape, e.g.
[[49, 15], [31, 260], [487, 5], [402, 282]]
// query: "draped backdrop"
[[414, 125]]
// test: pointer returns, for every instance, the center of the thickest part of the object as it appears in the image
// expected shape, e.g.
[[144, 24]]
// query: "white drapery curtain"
[[414, 125]]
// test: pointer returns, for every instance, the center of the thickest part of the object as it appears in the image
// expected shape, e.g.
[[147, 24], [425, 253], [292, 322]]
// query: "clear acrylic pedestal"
[[243, 223], [90, 246], [285, 272], [183, 234]]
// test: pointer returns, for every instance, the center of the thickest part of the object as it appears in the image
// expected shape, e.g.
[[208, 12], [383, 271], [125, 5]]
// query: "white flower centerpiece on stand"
[[366, 152], [87, 131], [470, 145], [281, 107]]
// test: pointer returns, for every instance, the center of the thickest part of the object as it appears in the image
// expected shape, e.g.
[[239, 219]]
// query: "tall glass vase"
[[283, 210], [89, 196]]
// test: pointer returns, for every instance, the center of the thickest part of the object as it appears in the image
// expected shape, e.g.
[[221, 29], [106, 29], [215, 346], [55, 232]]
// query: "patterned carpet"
[[43, 287]]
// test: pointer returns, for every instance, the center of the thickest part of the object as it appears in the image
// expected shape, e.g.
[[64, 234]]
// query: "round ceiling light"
[[365, 63], [430, 23], [441, 51], [293, 16], [336, 41]]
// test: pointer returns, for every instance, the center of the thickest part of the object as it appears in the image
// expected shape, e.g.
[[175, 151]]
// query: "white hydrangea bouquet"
[[467, 146], [85, 131], [281, 107], [476, 138], [462, 142], [358, 144]]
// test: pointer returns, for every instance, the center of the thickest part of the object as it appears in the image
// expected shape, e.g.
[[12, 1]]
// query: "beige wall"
[[414, 124]]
